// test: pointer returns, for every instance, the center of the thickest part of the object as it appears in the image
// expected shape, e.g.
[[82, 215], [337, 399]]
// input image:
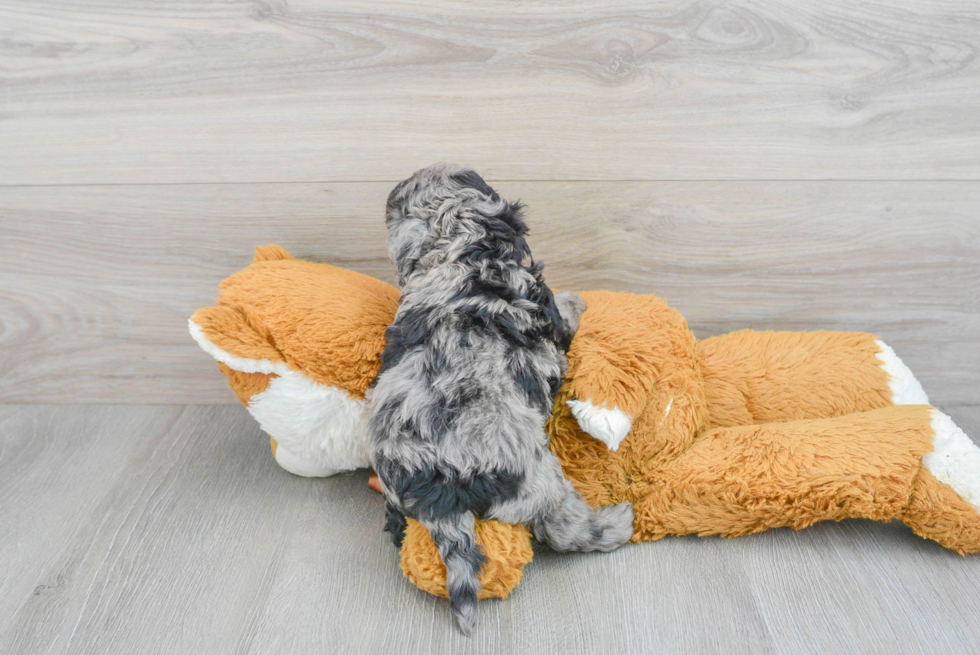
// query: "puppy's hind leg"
[[573, 524]]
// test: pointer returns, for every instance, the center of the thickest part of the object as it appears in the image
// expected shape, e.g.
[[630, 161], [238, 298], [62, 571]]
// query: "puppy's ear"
[[570, 306], [470, 179], [406, 241]]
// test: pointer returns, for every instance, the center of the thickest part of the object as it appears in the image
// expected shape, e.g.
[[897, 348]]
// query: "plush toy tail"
[[455, 538]]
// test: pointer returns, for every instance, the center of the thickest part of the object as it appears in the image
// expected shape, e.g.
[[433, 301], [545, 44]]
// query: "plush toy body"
[[725, 436]]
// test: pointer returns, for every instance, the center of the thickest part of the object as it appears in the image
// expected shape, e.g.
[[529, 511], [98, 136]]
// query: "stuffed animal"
[[726, 436]]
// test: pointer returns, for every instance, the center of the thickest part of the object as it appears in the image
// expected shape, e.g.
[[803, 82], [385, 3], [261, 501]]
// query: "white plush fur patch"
[[318, 424], [320, 429], [609, 426], [955, 459], [303, 467], [906, 390]]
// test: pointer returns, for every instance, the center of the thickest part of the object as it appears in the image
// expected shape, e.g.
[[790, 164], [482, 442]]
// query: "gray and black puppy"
[[472, 362]]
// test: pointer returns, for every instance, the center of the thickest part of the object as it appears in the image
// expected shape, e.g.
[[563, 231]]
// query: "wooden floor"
[[764, 164], [169, 529]]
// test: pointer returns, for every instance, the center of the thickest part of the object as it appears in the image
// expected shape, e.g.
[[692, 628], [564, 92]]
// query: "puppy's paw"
[[570, 306], [617, 526]]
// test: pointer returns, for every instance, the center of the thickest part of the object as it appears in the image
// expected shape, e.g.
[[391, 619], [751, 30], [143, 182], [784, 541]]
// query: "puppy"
[[473, 359]]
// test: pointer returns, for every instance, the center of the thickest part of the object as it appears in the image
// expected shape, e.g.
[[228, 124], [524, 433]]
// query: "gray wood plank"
[[851, 587], [860, 587], [179, 553], [353, 90], [54, 463], [201, 544], [340, 589], [675, 596], [98, 281]]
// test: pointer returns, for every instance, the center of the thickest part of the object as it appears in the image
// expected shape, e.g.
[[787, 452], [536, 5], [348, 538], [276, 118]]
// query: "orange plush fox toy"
[[726, 436]]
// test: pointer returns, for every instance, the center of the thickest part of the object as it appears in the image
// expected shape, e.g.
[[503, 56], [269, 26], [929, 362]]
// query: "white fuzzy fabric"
[[609, 426], [906, 390], [320, 429], [303, 467], [955, 459], [316, 423]]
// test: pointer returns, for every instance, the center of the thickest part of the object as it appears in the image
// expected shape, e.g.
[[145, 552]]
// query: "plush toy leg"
[[945, 499], [760, 377], [899, 462]]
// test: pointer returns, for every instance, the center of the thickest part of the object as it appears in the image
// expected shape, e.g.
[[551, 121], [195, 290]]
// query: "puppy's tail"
[[454, 537]]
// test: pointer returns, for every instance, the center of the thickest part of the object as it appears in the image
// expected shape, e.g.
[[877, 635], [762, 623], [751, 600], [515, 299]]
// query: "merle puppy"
[[473, 359]]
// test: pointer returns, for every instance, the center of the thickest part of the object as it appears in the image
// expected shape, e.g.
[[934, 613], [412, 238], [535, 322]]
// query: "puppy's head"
[[448, 212]]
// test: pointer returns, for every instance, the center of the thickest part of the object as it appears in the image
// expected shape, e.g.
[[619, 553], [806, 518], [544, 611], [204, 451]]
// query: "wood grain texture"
[[324, 601], [140, 92], [98, 281], [180, 551], [48, 461], [191, 539]]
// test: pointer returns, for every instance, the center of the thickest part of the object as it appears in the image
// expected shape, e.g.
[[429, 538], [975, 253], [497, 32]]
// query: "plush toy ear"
[[612, 361], [271, 253], [506, 547], [226, 334], [223, 333]]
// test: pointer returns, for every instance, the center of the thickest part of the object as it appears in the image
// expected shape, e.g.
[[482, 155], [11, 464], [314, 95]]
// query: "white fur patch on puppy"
[[955, 459], [609, 426], [320, 425], [906, 390]]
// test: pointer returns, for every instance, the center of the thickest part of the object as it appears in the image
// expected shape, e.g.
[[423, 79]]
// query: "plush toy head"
[[300, 343]]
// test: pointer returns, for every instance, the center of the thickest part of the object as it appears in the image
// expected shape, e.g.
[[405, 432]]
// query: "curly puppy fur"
[[473, 359]]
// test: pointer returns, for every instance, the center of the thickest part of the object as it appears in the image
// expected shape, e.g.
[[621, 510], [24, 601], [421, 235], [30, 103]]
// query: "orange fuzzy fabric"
[[761, 377], [635, 353], [507, 547], [322, 320], [739, 480], [936, 512], [245, 385], [730, 435]]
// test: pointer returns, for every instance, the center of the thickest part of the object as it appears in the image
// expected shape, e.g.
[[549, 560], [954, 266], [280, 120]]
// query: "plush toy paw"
[[507, 549]]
